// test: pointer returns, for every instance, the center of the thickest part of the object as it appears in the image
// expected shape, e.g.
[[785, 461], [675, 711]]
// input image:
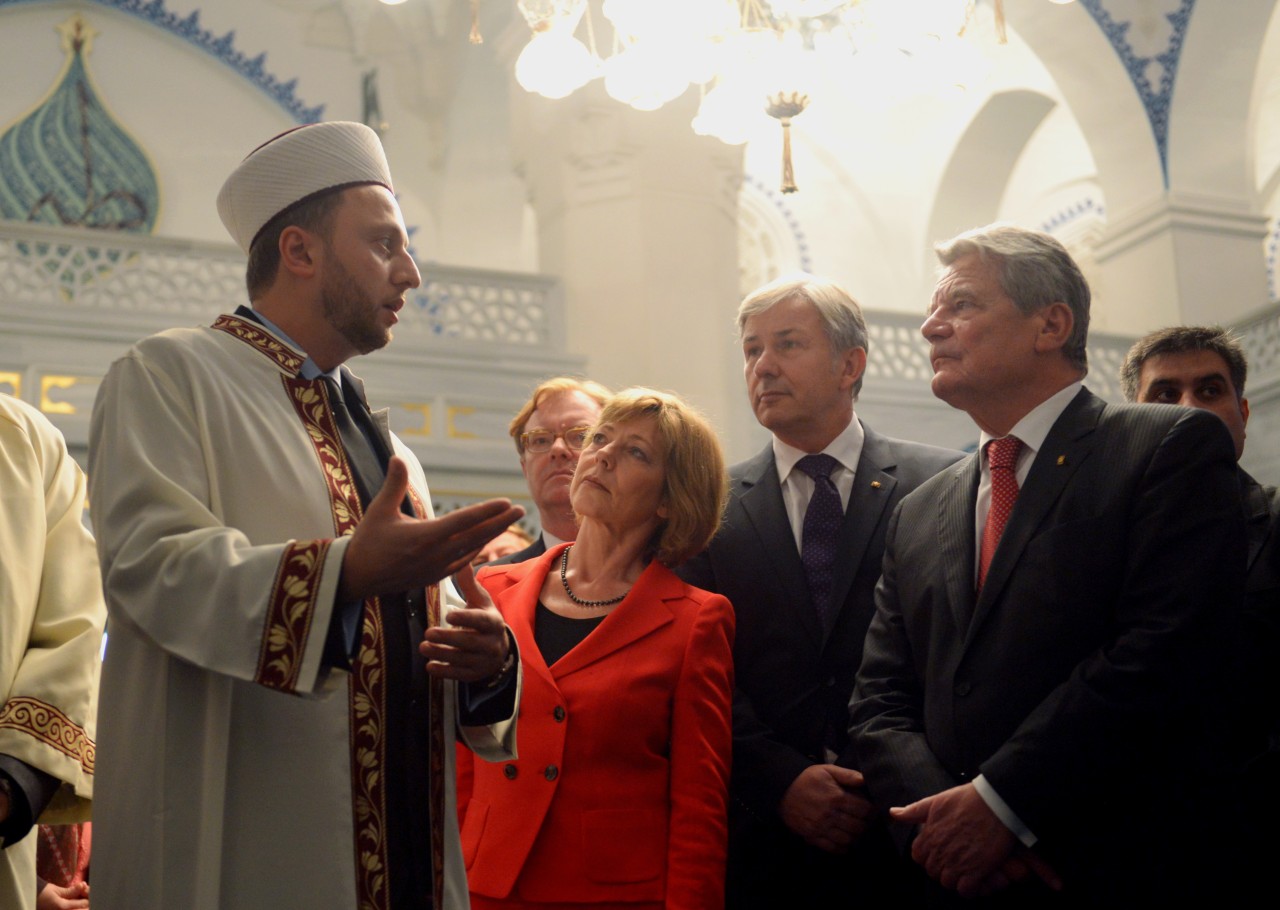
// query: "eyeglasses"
[[539, 442]]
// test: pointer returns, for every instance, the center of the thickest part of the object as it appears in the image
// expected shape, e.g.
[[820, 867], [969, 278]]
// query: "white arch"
[[1213, 120], [977, 173]]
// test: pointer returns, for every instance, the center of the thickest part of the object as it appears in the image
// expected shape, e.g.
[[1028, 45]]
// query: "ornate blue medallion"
[[1156, 100]]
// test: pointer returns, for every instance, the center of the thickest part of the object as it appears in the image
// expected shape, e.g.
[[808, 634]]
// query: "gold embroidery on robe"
[[367, 685], [253, 334], [292, 607], [49, 725]]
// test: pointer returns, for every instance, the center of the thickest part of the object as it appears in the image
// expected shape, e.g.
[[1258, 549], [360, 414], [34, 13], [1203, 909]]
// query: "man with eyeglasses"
[[549, 432]]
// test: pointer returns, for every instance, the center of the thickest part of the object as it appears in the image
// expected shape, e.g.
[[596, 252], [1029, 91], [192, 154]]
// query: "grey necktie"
[[367, 467]]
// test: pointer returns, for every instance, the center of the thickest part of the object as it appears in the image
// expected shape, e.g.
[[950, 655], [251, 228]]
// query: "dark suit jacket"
[[1260, 660], [794, 679], [1079, 681], [537, 548], [619, 793]]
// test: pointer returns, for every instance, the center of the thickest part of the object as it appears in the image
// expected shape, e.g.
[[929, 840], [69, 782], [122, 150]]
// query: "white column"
[[1182, 258], [637, 215]]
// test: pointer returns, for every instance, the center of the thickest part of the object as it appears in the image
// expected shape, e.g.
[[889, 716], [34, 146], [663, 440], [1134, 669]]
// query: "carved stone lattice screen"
[[44, 267], [482, 307], [1261, 339]]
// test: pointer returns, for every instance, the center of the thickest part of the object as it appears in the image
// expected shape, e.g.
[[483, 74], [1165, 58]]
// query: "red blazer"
[[620, 790]]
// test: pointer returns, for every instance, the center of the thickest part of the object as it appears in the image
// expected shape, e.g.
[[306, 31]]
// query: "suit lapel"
[[643, 610], [956, 544], [760, 495], [1065, 449]]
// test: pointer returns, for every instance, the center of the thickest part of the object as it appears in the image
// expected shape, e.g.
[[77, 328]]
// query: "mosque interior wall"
[[577, 236]]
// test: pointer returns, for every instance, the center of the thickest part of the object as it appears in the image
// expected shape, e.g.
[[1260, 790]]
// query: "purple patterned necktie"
[[822, 520]]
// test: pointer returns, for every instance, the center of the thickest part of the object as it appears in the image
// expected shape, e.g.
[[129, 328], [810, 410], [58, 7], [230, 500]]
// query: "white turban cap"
[[294, 165]]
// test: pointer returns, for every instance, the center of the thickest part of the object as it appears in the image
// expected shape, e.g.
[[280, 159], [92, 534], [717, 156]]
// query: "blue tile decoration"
[[1156, 100], [220, 47], [69, 162], [1060, 219]]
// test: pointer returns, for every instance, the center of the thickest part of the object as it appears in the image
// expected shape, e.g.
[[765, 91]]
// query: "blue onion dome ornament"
[[69, 162]]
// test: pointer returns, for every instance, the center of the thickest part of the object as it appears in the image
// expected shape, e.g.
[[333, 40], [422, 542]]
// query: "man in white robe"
[[51, 617], [252, 554]]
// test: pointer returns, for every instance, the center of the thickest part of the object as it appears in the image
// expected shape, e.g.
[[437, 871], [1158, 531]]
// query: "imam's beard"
[[351, 312]]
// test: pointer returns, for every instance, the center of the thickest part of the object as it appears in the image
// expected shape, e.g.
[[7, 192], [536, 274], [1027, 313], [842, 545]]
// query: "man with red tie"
[[1035, 703]]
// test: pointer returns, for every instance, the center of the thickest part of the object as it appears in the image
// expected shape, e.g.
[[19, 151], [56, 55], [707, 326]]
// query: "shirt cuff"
[[481, 704], [342, 641], [1003, 812]]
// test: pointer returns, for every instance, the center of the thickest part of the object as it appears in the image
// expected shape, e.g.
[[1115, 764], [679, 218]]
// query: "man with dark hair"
[[1205, 367], [282, 689], [314, 214], [1038, 693], [550, 431], [798, 555], [1194, 366]]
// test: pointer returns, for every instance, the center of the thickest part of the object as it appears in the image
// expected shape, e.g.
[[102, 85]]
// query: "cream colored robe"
[[235, 772], [51, 617]]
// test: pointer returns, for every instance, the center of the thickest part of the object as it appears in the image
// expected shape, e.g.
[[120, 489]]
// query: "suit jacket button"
[[510, 771], [552, 772], [558, 714], [829, 682], [963, 688]]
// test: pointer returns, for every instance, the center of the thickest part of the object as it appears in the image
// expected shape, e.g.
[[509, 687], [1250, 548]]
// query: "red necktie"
[[1002, 456]]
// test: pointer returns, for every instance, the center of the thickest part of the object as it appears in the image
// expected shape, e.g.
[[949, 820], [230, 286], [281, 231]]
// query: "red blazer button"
[[552, 772], [510, 772]]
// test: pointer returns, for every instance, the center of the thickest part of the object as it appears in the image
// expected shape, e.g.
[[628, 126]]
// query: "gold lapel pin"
[[875, 484], [1062, 459]]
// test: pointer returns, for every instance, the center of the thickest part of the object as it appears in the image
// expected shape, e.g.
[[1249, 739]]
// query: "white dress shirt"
[[797, 486]]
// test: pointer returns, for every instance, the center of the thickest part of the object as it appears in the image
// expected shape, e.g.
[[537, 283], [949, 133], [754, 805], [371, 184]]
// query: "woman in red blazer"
[[618, 797]]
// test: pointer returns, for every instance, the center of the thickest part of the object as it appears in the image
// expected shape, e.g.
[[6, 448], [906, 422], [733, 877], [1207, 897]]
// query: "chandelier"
[[750, 59]]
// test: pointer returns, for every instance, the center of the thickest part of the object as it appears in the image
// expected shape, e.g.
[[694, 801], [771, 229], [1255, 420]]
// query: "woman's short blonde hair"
[[695, 486]]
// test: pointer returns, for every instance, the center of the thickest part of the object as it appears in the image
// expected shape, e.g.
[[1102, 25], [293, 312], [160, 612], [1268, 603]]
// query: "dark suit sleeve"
[[887, 708], [1123, 706], [763, 765], [30, 791], [698, 572], [1260, 646]]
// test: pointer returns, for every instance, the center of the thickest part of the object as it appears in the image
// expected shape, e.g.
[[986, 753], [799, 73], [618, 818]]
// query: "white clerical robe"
[[235, 771], [51, 617]]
